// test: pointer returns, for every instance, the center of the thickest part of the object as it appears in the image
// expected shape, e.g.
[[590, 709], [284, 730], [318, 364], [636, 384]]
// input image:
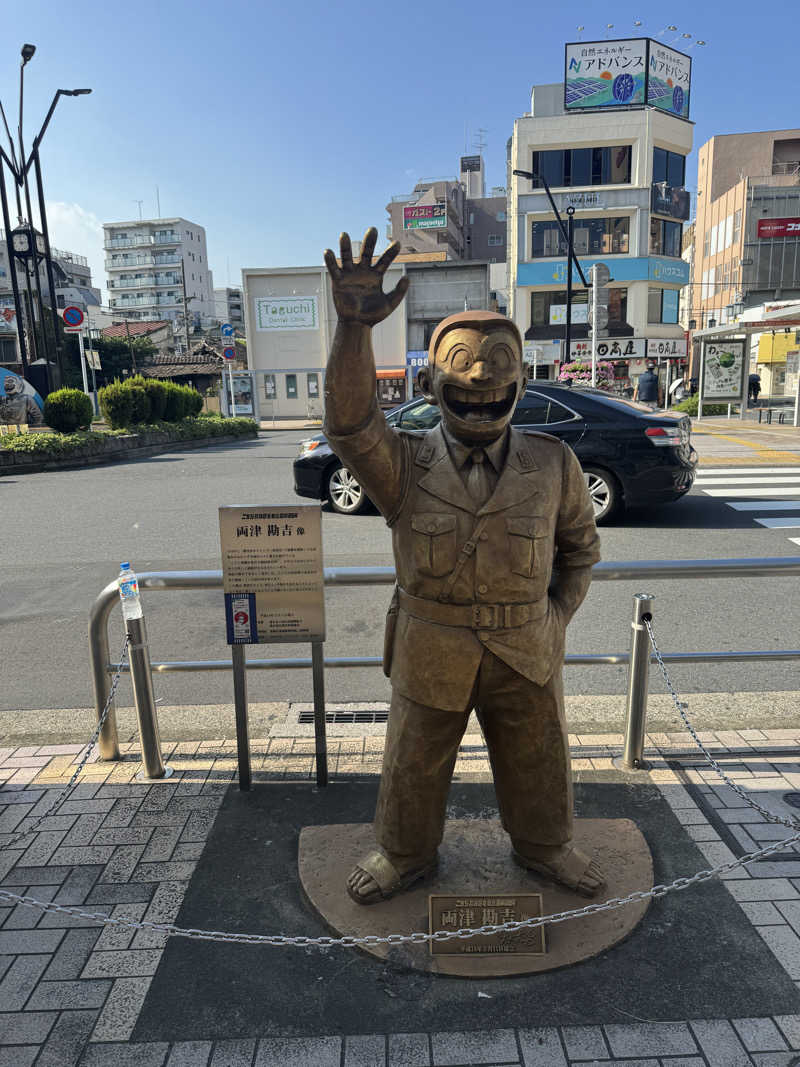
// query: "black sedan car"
[[631, 456]]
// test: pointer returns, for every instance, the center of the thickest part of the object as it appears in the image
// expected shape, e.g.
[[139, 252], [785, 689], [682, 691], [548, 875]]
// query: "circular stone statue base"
[[475, 858]]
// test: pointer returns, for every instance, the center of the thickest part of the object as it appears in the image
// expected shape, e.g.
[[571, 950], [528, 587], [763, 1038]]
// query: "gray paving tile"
[[650, 1039], [118, 1017], [119, 937], [149, 1054], [163, 872], [29, 942], [36, 876], [78, 884], [27, 916], [790, 1028], [763, 913], [233, 1054], [84, 828], [763, 889], [20, 980], [84, 854], [189, 1054], [25, 1027], [626, 1063], [120, 894], [123, 863], [541, 1047], [409, 1050], [774, 1059], [299, 1052], [127, 964], [783, 941], [720, 1045], [57, 996], [72, 954], [365, 1050], [18, 1056], [584, 1042], [67, 1039], [474, 1047], [42, 848], [161, 844], [759, 1035]]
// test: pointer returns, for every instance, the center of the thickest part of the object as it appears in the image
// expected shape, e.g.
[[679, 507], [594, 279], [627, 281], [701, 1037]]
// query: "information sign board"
[[272, 573], [455, 912], [425, 217], [724, 367]]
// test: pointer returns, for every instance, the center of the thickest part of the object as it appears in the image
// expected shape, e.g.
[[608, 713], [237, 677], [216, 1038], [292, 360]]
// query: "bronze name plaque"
[[455, 913]]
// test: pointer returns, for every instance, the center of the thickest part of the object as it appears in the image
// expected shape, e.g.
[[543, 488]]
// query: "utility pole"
[[130, 347], [185, 306]]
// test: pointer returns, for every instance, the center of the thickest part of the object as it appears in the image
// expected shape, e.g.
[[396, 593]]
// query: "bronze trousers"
[[525, 731]]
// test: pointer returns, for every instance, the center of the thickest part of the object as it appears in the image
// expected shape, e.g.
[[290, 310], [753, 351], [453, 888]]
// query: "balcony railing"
[[173, 238], [142, 283], [145, 301], [126, 262]]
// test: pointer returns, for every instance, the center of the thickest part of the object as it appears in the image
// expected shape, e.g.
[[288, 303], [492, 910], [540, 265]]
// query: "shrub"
[[157, 394], [580, 373], [116, 403], [175, 405], [66, 410], [194, 402], [689, 407], [140, 402]]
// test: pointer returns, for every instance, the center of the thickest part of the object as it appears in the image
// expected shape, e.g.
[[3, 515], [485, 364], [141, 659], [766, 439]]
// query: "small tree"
[[67, 410], [115, 355]]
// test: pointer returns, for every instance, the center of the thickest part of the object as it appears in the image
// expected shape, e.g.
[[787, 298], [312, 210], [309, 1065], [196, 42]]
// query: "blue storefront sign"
[[630, 269], [416, 359]]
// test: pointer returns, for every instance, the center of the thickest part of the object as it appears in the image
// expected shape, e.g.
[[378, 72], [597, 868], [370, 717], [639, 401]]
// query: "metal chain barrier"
[[770, 816], [62, 795], [419, 937]]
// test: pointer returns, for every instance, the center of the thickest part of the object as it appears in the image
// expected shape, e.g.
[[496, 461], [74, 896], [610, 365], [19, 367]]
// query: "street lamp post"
[[40, 249], [567, 232]]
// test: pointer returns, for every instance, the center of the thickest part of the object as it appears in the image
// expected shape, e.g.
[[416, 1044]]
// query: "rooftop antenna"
[[158, 204], [139, 202], [479, 141]]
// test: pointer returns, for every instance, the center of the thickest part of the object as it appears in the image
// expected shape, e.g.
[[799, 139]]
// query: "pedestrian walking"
[[753, 388], [647, 386]]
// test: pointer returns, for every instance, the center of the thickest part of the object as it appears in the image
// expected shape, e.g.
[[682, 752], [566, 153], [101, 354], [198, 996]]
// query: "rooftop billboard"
[[637, 72]]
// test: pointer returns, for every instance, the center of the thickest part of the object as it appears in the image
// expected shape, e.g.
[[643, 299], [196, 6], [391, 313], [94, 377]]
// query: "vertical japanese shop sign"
[[272, 573]]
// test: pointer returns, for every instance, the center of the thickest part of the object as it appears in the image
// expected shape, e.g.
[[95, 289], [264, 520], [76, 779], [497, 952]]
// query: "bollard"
[[638, 671], [143, 698]]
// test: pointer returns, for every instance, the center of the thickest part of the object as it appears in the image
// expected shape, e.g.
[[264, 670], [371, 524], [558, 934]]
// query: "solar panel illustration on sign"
[[605, 74]]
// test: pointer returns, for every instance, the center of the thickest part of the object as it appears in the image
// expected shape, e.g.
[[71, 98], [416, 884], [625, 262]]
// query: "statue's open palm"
[[358, 287]]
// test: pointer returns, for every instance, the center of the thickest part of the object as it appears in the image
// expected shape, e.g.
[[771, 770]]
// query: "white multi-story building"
[[623, 173], [228, 307], [143, 264]]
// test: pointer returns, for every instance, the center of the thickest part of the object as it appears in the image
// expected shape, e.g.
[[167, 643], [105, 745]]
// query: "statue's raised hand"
[[358, 287]]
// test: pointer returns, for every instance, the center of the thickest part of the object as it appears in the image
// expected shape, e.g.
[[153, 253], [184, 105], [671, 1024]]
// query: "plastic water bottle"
[[129, 593]]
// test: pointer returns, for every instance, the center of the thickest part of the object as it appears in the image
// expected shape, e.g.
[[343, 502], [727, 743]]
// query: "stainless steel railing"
[[639, 660]]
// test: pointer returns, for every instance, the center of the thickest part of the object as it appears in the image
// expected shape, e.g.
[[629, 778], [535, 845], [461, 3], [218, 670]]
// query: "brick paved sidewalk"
[[71, 991]]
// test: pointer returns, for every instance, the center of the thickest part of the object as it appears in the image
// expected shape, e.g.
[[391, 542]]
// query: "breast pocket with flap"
[[527, 538], [434, 542]]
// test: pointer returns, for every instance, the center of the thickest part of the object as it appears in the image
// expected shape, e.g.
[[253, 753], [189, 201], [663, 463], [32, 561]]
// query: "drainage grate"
[[345, 718]]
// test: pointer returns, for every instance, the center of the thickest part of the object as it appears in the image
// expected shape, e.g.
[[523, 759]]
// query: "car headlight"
[[308, 446]]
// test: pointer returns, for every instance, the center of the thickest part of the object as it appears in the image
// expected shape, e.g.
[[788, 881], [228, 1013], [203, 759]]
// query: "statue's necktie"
[[478, 484]]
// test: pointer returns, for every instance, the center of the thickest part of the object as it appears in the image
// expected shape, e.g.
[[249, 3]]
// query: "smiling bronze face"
[[475, 377]]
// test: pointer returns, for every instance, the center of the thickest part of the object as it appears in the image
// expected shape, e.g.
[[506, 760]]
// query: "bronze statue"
[[16, 407], [479, 513]]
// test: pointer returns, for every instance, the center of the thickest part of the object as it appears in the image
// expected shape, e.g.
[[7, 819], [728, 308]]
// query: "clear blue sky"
[[275, 126]]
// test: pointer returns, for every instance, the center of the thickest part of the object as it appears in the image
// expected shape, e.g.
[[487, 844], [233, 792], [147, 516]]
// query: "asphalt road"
[[65, 532]]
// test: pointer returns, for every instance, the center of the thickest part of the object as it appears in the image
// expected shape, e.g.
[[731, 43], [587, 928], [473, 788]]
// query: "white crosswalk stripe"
[[757, 491]]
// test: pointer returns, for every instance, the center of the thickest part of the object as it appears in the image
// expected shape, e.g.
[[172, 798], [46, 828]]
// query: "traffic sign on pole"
[[73, 319], [229, 352], [226, 330]]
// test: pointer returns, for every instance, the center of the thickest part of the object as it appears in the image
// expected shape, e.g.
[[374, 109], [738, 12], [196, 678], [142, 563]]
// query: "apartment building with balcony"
[[622, 171], [228, 307], [148, 264]]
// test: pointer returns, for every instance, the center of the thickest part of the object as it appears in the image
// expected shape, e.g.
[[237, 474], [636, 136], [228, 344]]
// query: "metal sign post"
[[229, 355], [274, 585]]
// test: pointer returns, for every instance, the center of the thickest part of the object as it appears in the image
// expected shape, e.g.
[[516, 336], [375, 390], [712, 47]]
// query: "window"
[[531, 410], [604, 236], [706, 244], [501, 216], [495, 238], [270, 390], [662, 305], [472, 218], [669, 167], [549, 308], [312, 386], [737, 226], [582, 166], [291, 387], [665, 237], [422, 416]]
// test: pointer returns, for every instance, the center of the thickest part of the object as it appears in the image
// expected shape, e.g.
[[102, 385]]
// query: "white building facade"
[[290, 320], [623, 173], [148, 263]]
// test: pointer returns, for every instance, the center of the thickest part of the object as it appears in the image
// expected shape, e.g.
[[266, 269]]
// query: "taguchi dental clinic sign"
[[286, 313]]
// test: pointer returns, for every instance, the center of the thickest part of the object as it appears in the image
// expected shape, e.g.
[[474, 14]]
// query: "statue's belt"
[[475, 616]]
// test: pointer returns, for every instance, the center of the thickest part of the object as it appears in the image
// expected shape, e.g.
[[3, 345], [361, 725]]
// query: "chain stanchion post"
[[239, 660], [320, 732], [144, 699], [638, 674]]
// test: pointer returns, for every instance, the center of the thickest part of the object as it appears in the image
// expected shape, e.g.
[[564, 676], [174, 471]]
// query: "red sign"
[[779, 227]]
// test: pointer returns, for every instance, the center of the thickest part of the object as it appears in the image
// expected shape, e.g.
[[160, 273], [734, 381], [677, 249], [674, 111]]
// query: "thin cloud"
[[74, 229]]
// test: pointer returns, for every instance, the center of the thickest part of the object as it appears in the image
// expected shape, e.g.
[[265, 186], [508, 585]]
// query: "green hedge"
[[689, 407], [66, 410], [56, 444], [142, 401]]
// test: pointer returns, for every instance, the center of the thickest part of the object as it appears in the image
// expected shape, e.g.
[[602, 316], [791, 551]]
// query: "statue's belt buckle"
[[486, 616]]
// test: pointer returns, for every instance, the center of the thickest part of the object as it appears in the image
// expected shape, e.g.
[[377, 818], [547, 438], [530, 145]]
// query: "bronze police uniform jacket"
[[473, 577]]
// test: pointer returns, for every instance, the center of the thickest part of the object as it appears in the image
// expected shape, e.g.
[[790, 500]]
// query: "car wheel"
[[344, 493], [606, 494]]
